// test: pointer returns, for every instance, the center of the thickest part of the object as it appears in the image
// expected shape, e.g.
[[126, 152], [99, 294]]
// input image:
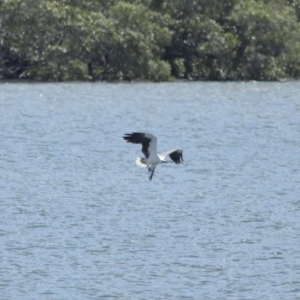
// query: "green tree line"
[[158, 40]]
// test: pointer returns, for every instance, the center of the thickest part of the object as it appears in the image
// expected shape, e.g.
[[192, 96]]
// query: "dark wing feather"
[[138, 138], [176, 156]]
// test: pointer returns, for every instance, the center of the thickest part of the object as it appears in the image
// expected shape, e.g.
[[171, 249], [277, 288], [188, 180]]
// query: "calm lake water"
[[79, 220]]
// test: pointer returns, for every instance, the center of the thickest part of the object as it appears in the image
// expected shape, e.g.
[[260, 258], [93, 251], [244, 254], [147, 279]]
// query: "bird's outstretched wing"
[[175, 155], [147, 140]]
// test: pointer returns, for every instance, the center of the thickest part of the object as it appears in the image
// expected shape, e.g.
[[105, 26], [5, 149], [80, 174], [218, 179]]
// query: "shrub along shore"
[[156, 40]]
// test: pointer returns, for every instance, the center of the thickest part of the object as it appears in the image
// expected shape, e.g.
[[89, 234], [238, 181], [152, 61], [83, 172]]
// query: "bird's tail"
[[151, 172], [141, 162]]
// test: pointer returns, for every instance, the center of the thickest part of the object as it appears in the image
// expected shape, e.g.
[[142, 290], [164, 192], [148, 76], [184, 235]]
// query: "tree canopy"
[[158, 40]]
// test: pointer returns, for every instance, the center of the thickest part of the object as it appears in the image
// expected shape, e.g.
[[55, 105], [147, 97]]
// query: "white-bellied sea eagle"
[[152, 158]]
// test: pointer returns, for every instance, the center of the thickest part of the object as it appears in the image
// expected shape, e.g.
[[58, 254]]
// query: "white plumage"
[[152, 158]]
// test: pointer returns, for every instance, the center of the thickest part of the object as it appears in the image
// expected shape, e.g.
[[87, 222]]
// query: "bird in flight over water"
[[152, 158]]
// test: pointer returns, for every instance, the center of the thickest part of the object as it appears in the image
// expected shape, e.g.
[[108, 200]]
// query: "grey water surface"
[[79, 220]]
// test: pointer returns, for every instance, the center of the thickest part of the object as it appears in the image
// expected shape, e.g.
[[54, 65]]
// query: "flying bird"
[[152, 158]]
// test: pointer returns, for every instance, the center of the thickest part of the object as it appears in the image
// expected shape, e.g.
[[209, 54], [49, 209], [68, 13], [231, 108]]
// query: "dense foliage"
[[149, 39]]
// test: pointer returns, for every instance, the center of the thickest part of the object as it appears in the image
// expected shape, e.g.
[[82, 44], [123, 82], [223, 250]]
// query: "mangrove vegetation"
[[158, 40]]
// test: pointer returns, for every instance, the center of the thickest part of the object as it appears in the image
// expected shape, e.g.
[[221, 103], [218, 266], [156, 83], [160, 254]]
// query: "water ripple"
[[80, 221]]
